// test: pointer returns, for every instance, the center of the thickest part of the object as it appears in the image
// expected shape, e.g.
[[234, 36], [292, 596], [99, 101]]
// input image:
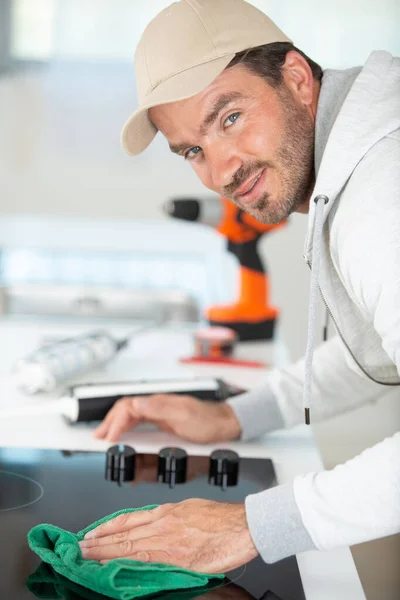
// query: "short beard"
[[294, 164]]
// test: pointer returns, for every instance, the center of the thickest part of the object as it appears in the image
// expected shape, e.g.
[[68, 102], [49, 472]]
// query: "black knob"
[[172, 464], [224, 468], [120, 464]]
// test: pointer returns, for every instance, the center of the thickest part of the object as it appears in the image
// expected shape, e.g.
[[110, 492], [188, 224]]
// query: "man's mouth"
[[248, 192]]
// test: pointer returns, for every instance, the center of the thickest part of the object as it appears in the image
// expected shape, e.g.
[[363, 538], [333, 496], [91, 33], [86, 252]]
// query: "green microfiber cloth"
[[46, 583], [122, 579]]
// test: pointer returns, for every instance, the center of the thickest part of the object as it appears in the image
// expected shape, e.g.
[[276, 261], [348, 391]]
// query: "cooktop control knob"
[[120, 464], [224, 468], [172, 464]]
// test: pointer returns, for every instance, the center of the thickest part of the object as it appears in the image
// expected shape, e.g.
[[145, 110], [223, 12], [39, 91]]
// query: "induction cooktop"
[[73, 489]]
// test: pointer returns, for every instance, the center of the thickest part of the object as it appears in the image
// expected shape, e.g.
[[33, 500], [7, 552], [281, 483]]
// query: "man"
[[262, 125]]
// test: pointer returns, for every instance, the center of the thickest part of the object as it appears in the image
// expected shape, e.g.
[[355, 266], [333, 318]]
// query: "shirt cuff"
[[275, 524], [257, 412]]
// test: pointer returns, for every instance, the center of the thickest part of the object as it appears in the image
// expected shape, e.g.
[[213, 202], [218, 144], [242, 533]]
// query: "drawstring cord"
[[320, 202], [325, 330]]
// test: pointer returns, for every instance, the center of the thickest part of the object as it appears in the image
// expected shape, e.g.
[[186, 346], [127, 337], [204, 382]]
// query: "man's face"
[[247, 142]]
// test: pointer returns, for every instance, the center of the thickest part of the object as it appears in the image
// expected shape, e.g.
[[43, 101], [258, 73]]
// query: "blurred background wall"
[[66, 87]]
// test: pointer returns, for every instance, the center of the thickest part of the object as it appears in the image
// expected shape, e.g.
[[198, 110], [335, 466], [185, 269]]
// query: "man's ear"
[[298, 77]]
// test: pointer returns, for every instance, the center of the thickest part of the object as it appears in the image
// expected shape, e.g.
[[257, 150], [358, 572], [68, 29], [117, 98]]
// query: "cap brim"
[[139, 131]]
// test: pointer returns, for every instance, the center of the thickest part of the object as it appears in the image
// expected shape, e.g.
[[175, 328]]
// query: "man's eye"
[[231, 119], [192, 152]]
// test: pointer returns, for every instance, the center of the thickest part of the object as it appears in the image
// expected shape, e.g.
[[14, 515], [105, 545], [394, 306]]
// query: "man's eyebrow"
[[219, 103], [179, 148]]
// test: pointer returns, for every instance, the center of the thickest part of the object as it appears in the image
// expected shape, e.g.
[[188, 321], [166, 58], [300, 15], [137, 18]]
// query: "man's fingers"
[[102, 429], [123, 522], [121, 424], [148, 549], [165, 410], [118, 420], [147, 556], [116, 544], [145, 550], [125, 549]]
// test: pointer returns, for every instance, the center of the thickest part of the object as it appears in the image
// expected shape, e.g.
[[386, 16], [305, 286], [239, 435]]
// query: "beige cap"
[[183, 49]]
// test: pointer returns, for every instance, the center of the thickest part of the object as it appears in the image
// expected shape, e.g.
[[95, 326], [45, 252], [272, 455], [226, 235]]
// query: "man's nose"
[[223, 163]]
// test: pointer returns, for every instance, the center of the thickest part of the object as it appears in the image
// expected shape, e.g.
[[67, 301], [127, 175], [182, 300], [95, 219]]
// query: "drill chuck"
[[207, 211], [187, 209]]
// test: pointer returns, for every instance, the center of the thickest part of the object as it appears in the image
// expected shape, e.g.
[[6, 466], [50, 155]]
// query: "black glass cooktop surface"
[[69, 489]]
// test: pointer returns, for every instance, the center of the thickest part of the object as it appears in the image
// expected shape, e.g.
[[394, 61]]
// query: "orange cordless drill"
[[252, 317]]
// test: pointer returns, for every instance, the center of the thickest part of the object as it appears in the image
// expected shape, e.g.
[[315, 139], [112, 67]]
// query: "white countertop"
[[155, 355]]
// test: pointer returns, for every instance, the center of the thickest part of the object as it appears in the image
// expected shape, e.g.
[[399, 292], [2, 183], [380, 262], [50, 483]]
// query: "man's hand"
[[204, 536], [192, 419]]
